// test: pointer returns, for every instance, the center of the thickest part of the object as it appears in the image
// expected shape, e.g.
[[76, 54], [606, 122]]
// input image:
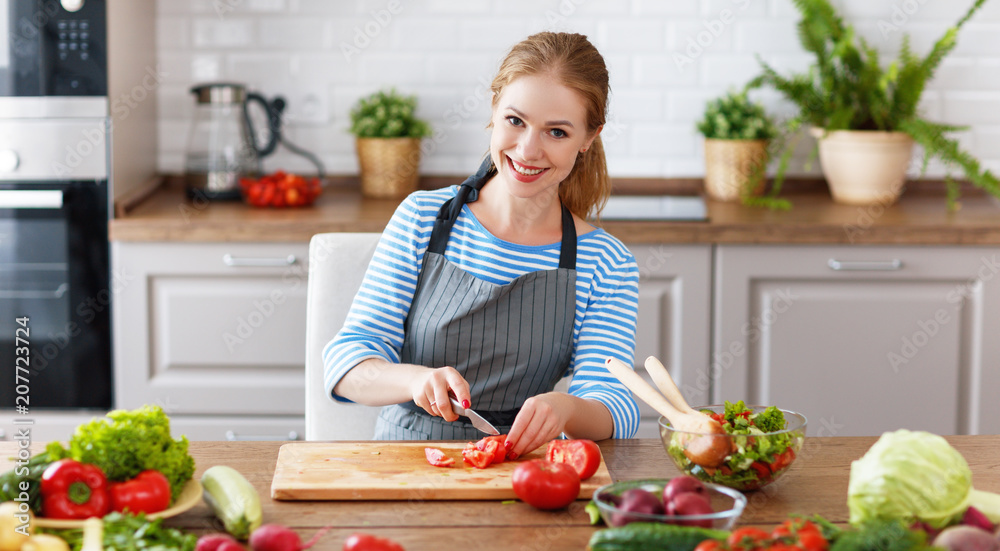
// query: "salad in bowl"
[[764, 443]]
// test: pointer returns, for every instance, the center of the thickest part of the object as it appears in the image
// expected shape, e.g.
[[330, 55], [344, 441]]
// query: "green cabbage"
[[910, 476]]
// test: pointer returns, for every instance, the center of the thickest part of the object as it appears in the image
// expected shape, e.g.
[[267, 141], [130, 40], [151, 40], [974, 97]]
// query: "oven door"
[[54, 284]]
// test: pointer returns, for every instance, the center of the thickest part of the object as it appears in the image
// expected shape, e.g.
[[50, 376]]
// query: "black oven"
[[55, 289], [53, 48]]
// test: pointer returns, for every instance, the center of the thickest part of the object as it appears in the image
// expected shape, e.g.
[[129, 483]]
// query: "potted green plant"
[[865, 111], [387, 136], [737, 132]]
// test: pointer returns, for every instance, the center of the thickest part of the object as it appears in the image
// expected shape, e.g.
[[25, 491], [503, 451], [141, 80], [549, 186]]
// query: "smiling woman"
[[493, 290]]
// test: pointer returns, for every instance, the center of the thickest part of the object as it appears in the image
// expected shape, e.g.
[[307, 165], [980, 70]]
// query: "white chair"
[[337, 263]]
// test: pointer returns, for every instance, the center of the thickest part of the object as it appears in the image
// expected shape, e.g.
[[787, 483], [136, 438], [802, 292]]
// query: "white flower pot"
[[864, 167]]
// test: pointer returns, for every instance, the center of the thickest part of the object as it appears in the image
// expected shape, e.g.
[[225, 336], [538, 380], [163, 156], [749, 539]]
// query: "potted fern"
[[737, 132], [868, 112], [387, 136]]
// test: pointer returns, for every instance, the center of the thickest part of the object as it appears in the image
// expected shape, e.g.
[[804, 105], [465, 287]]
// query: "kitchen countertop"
[[816, 483], [162, 213]]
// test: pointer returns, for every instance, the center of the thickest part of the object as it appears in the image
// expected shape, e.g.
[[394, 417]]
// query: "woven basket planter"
[[389, 166], [864, 167], [730, 165]]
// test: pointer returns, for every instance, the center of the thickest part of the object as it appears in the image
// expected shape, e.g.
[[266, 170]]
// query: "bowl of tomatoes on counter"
[[280, 190], [764, 442], [682, 500]]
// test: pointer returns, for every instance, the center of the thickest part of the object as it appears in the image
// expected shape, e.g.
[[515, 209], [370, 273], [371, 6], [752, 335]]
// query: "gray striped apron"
[[510, 342]]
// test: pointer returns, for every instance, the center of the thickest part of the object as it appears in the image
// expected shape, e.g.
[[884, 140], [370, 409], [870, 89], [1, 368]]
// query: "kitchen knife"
[[477, 420]]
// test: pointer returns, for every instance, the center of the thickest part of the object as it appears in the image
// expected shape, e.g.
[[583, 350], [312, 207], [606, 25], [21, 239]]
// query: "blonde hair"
[[576, 64]]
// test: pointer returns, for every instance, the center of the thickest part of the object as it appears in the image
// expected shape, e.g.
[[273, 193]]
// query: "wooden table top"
[[160, 212], [816, 483]]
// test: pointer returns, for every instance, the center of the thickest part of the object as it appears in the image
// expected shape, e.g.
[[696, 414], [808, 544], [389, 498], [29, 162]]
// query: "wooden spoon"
[[708, 448], [666, 385]]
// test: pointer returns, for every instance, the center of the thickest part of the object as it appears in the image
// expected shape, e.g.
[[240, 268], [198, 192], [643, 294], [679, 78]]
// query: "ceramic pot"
[[864, 167]]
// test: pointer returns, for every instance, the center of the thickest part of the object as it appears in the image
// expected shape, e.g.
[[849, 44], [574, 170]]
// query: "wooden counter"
[[816, 483], [920, 217]]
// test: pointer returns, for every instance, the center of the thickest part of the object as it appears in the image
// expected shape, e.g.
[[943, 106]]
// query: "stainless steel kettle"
[[222, 146]]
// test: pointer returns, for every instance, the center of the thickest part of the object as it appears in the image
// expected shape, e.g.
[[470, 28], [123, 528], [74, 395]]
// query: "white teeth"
[[525, 171]]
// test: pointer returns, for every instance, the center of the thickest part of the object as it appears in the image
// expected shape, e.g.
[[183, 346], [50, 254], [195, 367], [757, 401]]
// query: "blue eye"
[[558, 133], [514, 121]]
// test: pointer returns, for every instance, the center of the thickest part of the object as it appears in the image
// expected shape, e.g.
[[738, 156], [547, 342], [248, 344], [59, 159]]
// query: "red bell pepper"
[[148, 492], [74, 490]]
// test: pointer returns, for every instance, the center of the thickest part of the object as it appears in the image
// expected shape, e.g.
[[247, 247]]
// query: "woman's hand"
[[542, 418], [430, 391]]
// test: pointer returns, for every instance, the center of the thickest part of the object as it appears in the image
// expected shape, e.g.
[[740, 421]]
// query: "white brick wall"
[[666, 57]]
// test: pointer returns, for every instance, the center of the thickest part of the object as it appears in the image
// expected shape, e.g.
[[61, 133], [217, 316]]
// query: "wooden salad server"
[[708, 448]]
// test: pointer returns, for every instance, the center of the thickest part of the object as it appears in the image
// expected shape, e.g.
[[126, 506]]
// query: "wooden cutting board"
[[395, 471]]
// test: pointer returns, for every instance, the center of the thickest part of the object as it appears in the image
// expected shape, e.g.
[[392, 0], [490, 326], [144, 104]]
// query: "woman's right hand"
[[430, 391]]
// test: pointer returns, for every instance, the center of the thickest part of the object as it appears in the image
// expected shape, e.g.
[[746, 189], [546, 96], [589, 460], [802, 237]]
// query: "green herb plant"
[[733, 116], [387, 114], [848, 88]]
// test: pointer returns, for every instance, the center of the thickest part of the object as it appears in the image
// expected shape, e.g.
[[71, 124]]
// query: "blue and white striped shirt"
[[607, 297]]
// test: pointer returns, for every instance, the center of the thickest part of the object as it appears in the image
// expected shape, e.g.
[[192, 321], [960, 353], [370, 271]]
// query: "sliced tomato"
[[477, 458], [783, 460], [763, 473], [710, 545], [812, 541], [437, 458], [495, 446], [583, 455]]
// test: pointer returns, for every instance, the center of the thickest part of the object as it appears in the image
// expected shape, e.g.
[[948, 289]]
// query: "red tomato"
[[477, 458], [783, 547], [582, 455], [812, 541], [763, 473], [546, 485], [747, 538], [710, 545], [437, 458], [368, 542], [495, 446], [783, 460]]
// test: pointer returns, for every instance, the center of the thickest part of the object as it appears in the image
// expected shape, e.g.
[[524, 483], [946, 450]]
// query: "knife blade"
[[477, 420]]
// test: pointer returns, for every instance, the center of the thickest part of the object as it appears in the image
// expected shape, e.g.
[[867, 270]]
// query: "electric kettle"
[[222, 146]]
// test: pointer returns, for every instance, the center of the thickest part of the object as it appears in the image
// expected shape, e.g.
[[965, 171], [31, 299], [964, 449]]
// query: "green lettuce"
[[912, 476]]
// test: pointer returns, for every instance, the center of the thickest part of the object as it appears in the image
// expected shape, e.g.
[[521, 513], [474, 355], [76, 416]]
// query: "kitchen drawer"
[[210, 328], [232, 428]]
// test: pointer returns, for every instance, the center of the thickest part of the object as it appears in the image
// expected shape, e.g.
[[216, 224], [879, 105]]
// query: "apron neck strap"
[[468, 192]]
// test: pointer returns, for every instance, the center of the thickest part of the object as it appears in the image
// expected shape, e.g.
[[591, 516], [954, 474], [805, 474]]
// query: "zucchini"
[[649, 536], [233, 499]]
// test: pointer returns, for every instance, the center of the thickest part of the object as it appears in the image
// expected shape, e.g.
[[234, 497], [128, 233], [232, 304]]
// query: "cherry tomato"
[[710, 545], [368, 542], [437, 458], [546, 485], [582, 455], [812, 541], [746, 538]]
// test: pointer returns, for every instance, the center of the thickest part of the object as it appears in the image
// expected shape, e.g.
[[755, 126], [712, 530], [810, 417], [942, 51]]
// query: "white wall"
[[324, 54]]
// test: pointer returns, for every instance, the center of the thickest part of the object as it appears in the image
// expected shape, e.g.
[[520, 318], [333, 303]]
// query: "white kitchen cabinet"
[[675, 286], [214, 333], [861, 340]]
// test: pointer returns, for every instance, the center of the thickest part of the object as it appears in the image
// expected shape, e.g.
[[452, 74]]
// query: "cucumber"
[[649, 536], [233, 499]]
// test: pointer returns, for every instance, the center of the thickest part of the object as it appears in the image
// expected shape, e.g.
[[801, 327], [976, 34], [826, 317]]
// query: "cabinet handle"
[[862, 266], [235, 261], [3, 434], [232, 436]]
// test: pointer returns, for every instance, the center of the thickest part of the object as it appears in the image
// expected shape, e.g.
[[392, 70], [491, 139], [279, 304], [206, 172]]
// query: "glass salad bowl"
[[757, 458], [727, 505]]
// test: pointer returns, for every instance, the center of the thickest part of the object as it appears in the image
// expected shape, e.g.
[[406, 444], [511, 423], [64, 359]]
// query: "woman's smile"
[[525, 173]]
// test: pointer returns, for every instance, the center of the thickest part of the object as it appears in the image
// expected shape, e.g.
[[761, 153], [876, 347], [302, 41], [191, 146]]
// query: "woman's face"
[[539, 126]]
